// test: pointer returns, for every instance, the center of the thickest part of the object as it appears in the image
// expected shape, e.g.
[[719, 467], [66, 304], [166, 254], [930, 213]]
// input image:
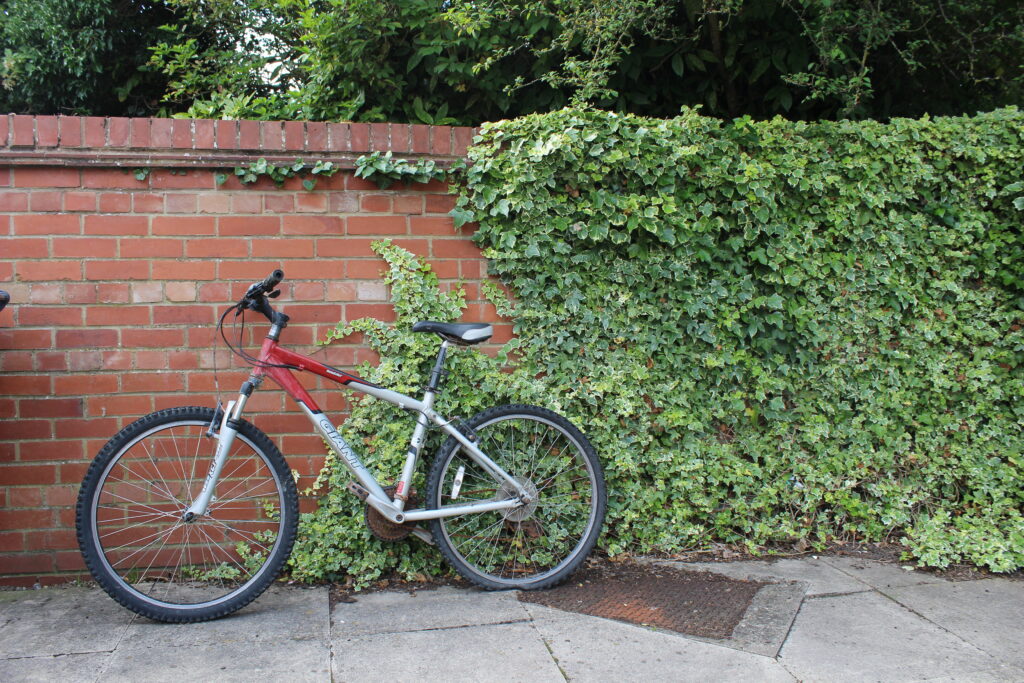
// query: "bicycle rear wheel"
[[136, 541], [534, 546]]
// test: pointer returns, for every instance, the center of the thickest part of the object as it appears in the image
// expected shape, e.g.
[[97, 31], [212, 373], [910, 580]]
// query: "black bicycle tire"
[[565, 569], [84, 512]]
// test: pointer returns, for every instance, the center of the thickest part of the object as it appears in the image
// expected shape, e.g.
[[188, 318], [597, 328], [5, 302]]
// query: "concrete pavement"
[[824, 619]]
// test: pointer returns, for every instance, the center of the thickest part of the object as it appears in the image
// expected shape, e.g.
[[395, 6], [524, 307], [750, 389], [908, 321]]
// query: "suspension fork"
[[225, 440]]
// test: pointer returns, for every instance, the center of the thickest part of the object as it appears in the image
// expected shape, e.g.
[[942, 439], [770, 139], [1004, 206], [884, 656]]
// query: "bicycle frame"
[[277, 363]]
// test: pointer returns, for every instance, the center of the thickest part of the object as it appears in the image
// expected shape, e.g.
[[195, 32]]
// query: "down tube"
[[345, 452]]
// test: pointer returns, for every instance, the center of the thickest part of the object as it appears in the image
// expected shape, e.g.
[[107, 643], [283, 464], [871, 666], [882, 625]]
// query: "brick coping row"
[[120, 141]]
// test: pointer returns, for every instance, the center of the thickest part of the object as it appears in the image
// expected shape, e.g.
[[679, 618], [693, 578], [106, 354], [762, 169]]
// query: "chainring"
[[383, 528]]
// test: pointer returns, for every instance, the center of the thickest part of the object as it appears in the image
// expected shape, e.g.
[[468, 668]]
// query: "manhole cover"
[[696, 603]]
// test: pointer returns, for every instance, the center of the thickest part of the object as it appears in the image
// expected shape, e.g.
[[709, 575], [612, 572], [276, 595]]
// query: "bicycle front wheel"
[[137, 542], [534, 546]]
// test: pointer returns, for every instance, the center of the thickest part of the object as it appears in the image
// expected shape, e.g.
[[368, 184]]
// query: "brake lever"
[[273, 295]]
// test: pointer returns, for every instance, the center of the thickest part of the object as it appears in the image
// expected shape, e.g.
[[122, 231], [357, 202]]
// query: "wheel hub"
[[524, 512]]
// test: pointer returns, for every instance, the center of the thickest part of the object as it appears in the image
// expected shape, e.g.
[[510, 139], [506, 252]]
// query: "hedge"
[[774, 332]]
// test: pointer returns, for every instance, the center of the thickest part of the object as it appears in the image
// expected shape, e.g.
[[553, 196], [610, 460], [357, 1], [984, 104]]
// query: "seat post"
[[435, 374]]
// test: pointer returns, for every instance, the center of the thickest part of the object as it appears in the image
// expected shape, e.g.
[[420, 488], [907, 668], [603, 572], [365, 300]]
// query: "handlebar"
[[256, 297], [5, 298]]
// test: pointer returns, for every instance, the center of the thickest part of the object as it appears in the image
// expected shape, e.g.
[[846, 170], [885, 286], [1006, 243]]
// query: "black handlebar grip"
[[4, 298], [273, 280]]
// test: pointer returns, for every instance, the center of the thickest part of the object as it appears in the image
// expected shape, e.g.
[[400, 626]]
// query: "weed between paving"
[[695, 603]]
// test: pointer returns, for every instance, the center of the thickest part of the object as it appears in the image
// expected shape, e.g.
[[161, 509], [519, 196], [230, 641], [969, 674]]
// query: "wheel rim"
[[139, 529], [507, 546]]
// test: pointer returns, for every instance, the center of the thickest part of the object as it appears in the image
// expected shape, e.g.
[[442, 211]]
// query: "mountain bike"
[[189, 513]]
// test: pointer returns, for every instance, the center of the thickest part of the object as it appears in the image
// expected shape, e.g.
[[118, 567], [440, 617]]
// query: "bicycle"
[[525, 491]]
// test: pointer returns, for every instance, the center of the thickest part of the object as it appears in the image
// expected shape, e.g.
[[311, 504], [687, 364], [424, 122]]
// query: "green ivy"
[[263, 168], [774, 330], [382, 168], [334, 542]]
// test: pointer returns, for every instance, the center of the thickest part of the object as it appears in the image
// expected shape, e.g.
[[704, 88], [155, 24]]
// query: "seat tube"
[[404, 485]]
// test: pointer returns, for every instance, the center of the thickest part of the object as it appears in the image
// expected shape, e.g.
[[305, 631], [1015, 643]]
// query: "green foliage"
[[79, 56], [334, 542], [774, 331], [382, 168], [263, 168]]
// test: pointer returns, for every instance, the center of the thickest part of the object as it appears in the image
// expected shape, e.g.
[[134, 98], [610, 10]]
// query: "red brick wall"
[[116, 284]]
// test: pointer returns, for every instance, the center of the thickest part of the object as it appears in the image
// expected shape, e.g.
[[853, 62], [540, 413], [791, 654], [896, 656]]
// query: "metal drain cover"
[[695, 603]]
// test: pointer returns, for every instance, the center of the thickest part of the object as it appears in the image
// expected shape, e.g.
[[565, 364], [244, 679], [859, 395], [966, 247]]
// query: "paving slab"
[[766, 623], [59, 621], [446, 607], [820, 577], [880, 575], [988, 613], [499, 652], [595, 649], [64, 668], [283, 635], [868, 637]]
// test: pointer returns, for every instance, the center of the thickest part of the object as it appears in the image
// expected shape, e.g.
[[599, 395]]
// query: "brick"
[[246, 203], [144, 202], [375, 203], [183, 314], [24, 339], [182, 360], [441, 140], [51, 316], [152, 338], [151, 360], [113, 293], [99, 224], [401, 138], [152, 381], [281, 248], [63, 495], [294, 136], [420, 138], [375, 225], [316, 136], [70, 339], [26, 248], [312, 225], [18, 361], [79, 361], [49, 270], [440, 203], [160, 133], [371, 291], [444, 269], [26, 563], [84, 247], [13, 201], [151, 247], [119, 405], [50, 407], [23, 133], [380, 137], [116, 360], [115, 202], [178, 270], [117, 315], [454, 248], [45, 201], [203, 134], [117, 270], [408, 203], [182, 180], [341, 291], [440, 226], [140, 135], [91, 384], [213, 203], [227, 134], [307, 291], [462, 138], [22, 429], [70, 131], [248, 135], [359, 137], [184, 225], [181, 134], [364, 270], [25, 475], [180, 203], [353, 183], [11, 541], [338, 137], [217, 248], [95, 131], [118, 131], [79, 201], [110, 178], [47, 224], [47, 131], [51, 361], [180, 291], [311, 202], [45, 176], [255, 225], [310, 313], [273, 135]]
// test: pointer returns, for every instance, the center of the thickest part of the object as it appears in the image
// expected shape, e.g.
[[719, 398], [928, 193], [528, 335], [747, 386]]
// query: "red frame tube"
[[274, 354]]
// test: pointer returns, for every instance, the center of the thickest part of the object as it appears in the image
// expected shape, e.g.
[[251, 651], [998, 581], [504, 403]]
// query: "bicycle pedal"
[[358, 491]]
